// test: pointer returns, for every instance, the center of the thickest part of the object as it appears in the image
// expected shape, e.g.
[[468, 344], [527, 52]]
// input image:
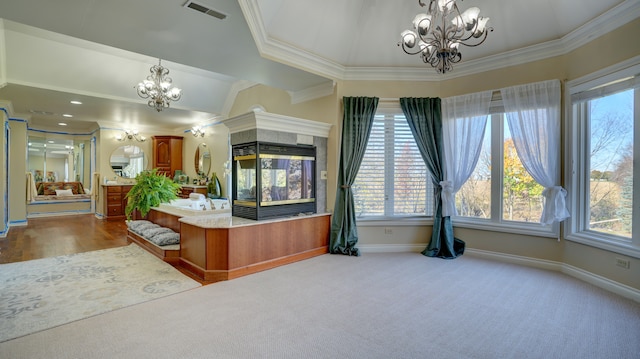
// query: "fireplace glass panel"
[[273, 180]]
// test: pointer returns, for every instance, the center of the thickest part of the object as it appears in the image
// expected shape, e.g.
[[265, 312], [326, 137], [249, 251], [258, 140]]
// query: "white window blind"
[[392, 180]]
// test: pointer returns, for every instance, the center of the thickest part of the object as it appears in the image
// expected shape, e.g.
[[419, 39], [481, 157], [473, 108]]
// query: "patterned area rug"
[[44, 293]]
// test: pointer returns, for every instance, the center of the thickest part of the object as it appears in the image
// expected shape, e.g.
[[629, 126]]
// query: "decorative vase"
[[176, 176], [213, 188]]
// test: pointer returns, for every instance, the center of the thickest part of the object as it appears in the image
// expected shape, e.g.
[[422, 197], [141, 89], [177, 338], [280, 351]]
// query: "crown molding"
[[274, 122], [620, 15], [7, 108], [312, 93], [283, 52]]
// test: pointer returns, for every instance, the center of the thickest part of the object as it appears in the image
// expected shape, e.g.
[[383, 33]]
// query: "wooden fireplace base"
[[217, 254]]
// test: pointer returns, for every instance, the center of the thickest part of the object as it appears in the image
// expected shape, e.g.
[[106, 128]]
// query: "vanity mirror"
[[128, 161], [203, 159]]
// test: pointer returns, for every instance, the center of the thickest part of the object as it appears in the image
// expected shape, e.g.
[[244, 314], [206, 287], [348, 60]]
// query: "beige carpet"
[[44, 293], [393, 305]]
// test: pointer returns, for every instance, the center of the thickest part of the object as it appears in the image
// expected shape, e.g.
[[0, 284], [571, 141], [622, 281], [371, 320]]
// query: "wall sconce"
[[197, 131], [130, 135]]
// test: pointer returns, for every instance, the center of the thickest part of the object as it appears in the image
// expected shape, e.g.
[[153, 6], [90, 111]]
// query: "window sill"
[[395, 221], [604, 243], [531, 229]]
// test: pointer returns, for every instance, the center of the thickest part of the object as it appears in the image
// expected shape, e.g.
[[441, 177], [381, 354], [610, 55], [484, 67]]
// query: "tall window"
[[514, 196], [393, 179], [604, 141]]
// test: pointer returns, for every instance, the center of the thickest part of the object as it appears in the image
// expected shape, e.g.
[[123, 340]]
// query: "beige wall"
[[3, 163], [17, 173], [216, 138]]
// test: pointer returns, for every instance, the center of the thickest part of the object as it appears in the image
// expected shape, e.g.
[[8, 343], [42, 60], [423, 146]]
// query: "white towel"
[[94, 186], [32, 191]]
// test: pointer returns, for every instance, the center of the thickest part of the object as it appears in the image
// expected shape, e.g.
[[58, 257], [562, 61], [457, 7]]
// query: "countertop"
[[226, 220]]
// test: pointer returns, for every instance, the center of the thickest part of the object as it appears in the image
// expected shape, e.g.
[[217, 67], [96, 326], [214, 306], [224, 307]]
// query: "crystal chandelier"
[[438, 34], [157, 88]]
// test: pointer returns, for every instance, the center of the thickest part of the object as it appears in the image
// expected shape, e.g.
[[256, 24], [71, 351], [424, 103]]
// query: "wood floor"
[[56, 236]]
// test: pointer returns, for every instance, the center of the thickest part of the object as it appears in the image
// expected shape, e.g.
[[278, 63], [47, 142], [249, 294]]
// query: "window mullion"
[[497, 159], [389, 163], [635, 216], [584, 158]]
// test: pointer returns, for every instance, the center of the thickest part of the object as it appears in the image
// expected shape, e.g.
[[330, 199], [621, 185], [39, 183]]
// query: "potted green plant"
[[151, 189]]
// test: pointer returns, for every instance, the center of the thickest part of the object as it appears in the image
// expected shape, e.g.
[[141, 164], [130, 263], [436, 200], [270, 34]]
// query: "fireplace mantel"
[[260, 120]]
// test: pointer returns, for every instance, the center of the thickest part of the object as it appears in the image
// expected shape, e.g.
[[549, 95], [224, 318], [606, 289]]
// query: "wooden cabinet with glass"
[[167, 154]]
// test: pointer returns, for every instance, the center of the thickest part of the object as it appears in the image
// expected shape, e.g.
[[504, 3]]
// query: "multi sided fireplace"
[[273, 180]]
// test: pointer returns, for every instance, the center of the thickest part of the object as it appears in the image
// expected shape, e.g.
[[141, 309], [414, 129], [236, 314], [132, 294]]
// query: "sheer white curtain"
[[464, 119], [533, 115]]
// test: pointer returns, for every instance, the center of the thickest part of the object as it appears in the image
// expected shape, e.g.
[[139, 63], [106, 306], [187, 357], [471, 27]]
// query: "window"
[[515, 197], [393, 179], [603, 182]]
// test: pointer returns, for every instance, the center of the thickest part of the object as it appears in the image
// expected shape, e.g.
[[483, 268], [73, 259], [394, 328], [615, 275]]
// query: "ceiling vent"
[[205, 10]]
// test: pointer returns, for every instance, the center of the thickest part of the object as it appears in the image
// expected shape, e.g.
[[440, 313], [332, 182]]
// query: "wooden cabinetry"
[[222, 253], [167, 154], [115, 201]]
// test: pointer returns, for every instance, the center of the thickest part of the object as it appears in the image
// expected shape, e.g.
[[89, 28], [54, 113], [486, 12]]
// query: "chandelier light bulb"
[[422, 23]]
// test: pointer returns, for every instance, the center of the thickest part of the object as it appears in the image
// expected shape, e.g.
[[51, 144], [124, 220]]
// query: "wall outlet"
[[623, 262], [323, 174], [388, 231]]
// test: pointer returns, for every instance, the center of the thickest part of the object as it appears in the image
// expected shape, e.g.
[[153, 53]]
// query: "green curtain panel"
[[424, 116], [359, 113]]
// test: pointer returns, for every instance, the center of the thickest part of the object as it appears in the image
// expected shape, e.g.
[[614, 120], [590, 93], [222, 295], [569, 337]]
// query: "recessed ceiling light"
[[75, 102], [62, 124], [40, 112], [50, 141], [66, 115]]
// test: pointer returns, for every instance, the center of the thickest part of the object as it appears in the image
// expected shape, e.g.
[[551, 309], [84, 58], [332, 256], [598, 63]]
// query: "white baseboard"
[[18, 223], [510, 258], [56, 214], [391, 248], [591, 278]]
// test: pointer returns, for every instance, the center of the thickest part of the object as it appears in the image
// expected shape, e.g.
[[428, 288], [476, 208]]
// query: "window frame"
[[576, 158], [393, 108], [496, 223]]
